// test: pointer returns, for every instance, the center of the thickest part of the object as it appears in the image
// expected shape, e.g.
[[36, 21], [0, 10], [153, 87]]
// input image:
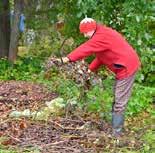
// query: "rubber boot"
[[117, 124]]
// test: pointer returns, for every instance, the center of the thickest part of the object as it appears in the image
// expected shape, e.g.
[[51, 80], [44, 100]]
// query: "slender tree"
[[14, 37], [4, 28]]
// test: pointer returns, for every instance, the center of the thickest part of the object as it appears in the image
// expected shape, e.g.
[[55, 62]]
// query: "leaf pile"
[[22, 95], [77, 71]]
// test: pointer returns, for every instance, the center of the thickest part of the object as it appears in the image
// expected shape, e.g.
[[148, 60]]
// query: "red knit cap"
[[87, 25]]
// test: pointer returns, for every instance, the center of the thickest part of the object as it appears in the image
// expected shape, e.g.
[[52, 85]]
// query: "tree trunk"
[[4, 28], [18, 6]]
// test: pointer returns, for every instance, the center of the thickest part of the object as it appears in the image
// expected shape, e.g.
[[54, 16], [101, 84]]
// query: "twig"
[[16, 139], [73, 137], [55, 143], [75, 150], [60, 126], [77, 121]]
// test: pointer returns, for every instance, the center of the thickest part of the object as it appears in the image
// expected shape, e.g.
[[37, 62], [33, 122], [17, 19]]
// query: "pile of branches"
[[66, 135]]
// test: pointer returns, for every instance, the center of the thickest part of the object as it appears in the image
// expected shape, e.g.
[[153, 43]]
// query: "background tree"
[[14, 37], [4, 28], [9, 35]]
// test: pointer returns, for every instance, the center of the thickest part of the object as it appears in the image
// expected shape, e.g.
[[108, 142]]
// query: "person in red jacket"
[[112, 50]]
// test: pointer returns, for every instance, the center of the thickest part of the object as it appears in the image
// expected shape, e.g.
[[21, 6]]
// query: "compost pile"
[[21, 95]]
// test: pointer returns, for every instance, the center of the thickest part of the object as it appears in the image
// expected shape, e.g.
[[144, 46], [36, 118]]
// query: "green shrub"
[[68, 89], [99, 100], [141, 99], [23, 69]]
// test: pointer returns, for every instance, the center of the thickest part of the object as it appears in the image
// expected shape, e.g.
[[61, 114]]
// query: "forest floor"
[[71, 133]]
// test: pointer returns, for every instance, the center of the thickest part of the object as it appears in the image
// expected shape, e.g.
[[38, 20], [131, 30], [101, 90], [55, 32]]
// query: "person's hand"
[[89, 71], [52, 61], [64, 59]]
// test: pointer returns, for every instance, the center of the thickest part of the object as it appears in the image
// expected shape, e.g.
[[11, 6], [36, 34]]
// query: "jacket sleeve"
[[95, 64], [86, 49]]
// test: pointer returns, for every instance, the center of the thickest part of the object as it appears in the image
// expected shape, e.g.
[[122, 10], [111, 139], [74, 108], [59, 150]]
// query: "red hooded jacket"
[[110, 49]]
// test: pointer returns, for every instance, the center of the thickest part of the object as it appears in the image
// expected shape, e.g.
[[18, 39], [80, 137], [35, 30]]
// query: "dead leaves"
[[77, 71], [10, 130], [66, 135], [20, 95]]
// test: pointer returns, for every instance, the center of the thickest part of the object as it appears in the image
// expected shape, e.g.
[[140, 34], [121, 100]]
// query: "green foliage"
[[68, 89], [24, 69], [7, 151], [99, 100], [141, 99], [149, 138], [43, 46]]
